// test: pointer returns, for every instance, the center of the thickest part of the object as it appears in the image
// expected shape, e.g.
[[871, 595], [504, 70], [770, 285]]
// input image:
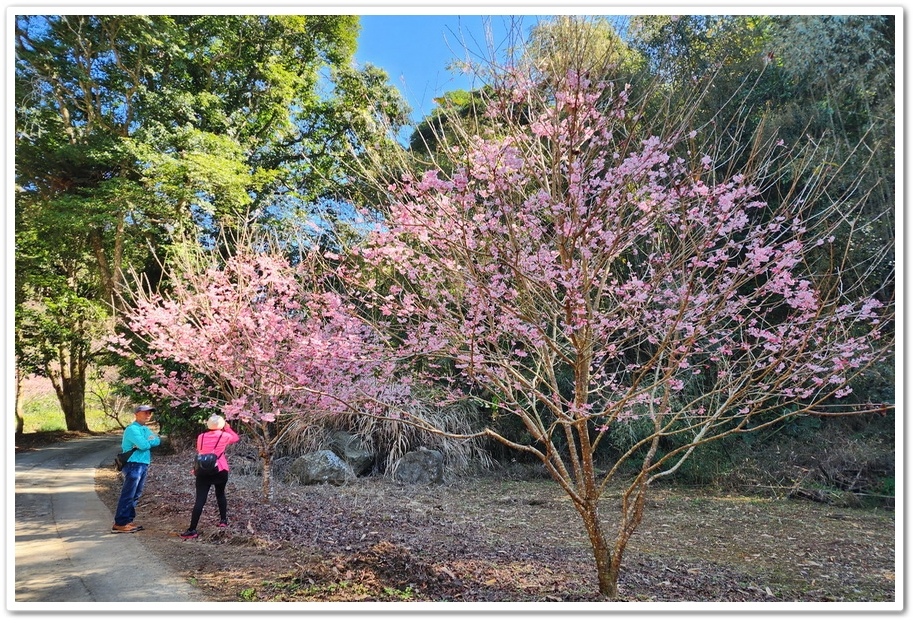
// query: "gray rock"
[[350, 448], [420, 467], [321, 467]]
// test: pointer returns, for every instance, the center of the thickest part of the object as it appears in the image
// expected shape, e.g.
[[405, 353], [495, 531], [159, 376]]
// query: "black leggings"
[[202, 484]]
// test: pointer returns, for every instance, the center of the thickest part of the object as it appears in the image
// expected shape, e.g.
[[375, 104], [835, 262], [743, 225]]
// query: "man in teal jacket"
[[137, 435]]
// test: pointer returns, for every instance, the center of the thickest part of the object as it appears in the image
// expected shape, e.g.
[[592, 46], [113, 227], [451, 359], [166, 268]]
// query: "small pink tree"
[[254, 342], [585, 279]]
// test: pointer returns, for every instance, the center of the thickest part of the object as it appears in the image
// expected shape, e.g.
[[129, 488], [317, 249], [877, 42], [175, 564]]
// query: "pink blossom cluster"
[[564, 244], [251, 341]]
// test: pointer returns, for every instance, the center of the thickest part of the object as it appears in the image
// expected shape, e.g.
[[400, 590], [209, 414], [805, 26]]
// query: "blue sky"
[[416, 50]]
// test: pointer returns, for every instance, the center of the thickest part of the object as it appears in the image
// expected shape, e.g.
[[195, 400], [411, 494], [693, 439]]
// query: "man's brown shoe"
[[127, 528]]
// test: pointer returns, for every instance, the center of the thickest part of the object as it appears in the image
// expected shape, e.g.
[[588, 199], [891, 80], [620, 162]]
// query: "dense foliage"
[[132, 128]]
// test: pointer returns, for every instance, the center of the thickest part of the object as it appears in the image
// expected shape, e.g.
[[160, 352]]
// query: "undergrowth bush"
[[390, 439], [846, 461]]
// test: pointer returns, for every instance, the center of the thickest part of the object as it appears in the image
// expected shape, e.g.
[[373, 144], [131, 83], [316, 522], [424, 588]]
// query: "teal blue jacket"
[[141, 437]]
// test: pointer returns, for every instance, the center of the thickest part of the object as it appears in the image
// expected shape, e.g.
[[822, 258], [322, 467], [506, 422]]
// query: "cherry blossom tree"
[[584, 275], [252, 338]]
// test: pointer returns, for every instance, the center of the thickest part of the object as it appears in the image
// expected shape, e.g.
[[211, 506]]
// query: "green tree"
[[130, 128], [840, 90], [589, 44], [827, 77]]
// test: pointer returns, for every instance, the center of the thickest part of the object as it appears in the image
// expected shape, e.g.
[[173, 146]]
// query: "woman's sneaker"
[[189, 534], [223, 524]]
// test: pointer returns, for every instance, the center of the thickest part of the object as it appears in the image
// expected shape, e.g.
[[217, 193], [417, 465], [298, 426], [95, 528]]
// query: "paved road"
[[65, 550]]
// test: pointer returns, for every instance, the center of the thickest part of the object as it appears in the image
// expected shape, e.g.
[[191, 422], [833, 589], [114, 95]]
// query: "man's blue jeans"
[[131, 490]]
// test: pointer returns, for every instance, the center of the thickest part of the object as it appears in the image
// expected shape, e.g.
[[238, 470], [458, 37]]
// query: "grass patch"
[[42, 414], [46, 416], [41, 411]]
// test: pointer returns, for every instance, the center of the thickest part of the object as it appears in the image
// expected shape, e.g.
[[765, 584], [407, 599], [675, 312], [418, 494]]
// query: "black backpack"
[[205, 464]]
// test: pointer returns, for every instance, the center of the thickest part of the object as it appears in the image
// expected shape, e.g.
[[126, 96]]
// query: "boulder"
[[420, 467], [350, 448], [321, 467]]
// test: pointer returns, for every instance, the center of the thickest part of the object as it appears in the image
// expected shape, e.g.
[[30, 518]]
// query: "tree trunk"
[[70, 386], [265, 476], [20, 420], [110, 272], [259, 434], [607, 566], [75, 406], [608, 560]]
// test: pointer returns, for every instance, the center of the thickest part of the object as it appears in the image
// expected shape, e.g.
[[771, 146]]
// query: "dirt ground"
[[498, 539]]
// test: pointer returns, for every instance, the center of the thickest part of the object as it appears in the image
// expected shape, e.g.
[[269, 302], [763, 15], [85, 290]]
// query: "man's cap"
[[143, 408]]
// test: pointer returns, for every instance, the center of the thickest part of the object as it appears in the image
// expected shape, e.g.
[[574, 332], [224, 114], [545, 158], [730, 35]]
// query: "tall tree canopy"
[[131, 127], [827, 77]]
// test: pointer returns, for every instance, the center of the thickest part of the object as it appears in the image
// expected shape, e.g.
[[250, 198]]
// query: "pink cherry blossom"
[[256, 345], [587, 276]]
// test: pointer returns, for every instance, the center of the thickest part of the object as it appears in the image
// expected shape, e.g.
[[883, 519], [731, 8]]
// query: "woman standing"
[[219, 435]]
